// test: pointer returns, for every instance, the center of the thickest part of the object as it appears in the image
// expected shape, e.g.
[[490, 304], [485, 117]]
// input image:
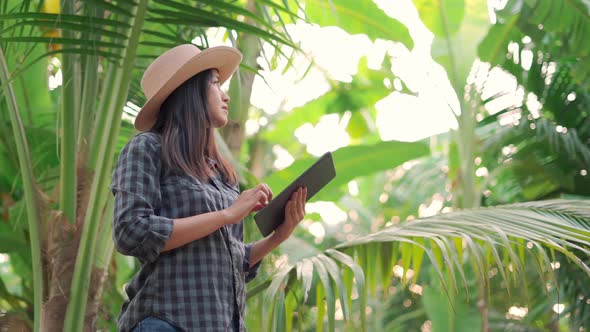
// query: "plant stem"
[[29, 189], [68, 117]]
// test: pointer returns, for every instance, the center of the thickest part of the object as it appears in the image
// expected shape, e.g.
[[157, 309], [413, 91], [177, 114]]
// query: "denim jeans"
[[154, 324]]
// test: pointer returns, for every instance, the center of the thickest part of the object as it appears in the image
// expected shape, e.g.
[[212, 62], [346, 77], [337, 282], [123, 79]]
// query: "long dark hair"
[[188, 137]]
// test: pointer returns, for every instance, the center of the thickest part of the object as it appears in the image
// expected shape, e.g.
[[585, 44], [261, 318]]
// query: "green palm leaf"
[[550, 151], [562, 26], [351, 162], [492, 236], [458, 26], [358, 17]]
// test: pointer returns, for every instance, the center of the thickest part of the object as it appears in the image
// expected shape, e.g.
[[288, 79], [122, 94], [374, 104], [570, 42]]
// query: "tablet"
[[314, 178]]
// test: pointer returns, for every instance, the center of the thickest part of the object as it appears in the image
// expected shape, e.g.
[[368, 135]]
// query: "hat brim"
[[223, 58]]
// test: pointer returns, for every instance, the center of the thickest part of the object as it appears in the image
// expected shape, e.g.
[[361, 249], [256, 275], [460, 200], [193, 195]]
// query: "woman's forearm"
[[186, 230], [263, 247], [294, 213]]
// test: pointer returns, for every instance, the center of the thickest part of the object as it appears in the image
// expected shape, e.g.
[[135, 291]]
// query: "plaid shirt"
[[197, 287]]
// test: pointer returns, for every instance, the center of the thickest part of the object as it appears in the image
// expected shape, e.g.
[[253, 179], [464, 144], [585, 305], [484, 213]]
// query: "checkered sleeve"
[[250, 272], [137, 230]]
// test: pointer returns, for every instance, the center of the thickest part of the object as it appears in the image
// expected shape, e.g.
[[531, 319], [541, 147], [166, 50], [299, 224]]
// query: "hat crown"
[[165, 66]]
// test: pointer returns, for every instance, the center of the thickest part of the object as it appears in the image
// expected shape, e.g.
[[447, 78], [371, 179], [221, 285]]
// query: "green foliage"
[[459, 316], [441, 18], [358, 96], [458, 26], [560, 28], [502, 254], [358, 17], [11, 241], [490, 237], [352, 162], [549, 145]]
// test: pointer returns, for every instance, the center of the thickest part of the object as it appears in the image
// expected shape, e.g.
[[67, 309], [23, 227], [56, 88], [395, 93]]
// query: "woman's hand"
[[249, 200], [294, 213]]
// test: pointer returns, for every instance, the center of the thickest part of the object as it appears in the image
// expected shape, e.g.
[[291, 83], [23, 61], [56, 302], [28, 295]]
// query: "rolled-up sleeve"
[[137, 230], [250, 272]]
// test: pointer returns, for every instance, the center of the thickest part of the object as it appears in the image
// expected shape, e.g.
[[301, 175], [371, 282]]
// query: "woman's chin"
[[221, 123]]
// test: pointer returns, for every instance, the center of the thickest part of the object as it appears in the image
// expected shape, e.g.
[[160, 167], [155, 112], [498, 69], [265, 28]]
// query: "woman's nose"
[[224, 96]]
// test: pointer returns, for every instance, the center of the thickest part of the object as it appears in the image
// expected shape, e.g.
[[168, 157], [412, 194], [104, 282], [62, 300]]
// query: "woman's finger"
[[262, 197], [296, 197], [301, 205], [301, 200], [268, 191], [289, 210], [255, 200], [304, 197]]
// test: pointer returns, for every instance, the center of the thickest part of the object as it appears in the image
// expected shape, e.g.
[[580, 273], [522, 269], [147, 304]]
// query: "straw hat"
[[176, 66]]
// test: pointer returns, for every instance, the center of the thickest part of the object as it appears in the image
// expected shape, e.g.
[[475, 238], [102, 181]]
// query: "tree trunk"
[[241, 90], [61, 258], [94, 299], [60, 251], [257, 160], [61, 254]]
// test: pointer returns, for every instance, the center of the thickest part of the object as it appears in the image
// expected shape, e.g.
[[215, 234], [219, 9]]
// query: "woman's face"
[[217, 101]]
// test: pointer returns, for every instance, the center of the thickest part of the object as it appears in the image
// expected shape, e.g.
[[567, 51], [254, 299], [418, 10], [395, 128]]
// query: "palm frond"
[[505, 237], [549, 143], [563, 26], [185, 21], [120, 8], [176, 12], [541, 132], [42, 19]]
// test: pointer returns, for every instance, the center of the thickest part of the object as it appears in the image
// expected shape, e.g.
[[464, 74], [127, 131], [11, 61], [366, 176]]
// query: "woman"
[[178, 208]]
